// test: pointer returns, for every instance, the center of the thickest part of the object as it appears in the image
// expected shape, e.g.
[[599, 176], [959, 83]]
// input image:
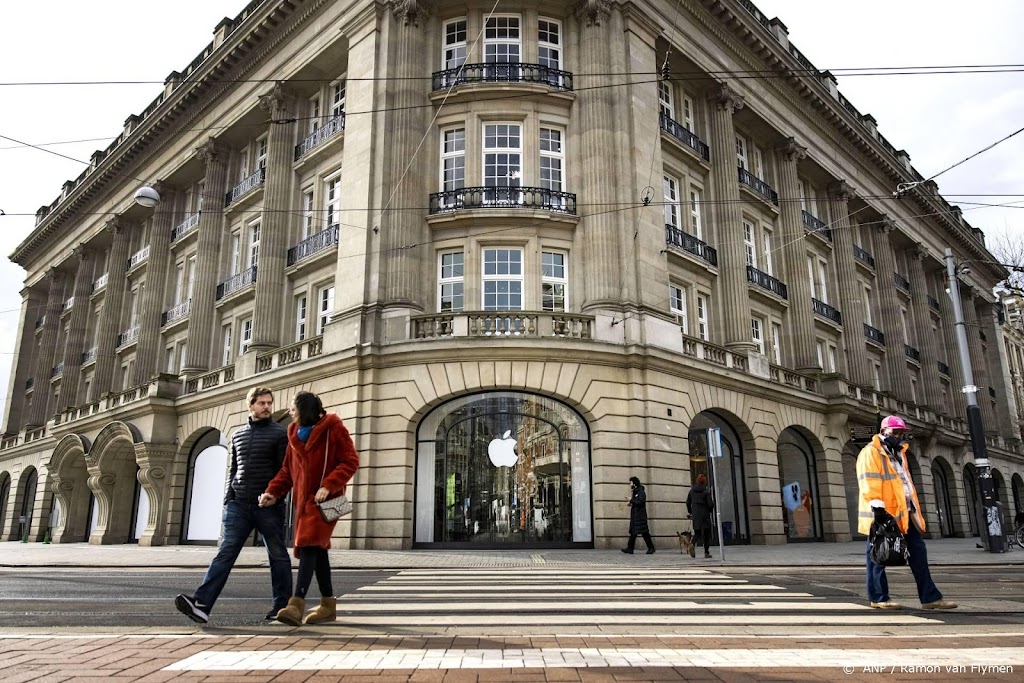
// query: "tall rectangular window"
[[503, 279], [757, 334], [450, 281], [801, 189], [314, 113], [741, 152], [453, 159], [695, 211], [833, 358], [454, 44], [748, 244], [552, 159], [169, 360], [703, 328], [179, 283], [226, 347], [766, 241], [260, 153], [876, 375], [677, 306], [502, 155], [332, 201], [665, 104], [554, 281], [823, 280], [819, 350], [549, 46], [670, 191], [254, 244], [190, 276], [867, 306], [300, 318], [325, 306], [245, 338], [777, 343], [687, 108], [308, 214], [811, 279], [236, 252], [338, 92], [182, 356], [502, 40]]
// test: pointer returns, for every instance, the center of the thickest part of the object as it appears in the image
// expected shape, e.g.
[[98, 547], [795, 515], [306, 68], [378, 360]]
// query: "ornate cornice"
[[411, 12], [725, 98], [592, 12]]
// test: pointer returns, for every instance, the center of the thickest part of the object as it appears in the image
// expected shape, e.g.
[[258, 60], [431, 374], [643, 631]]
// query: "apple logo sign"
[[503, 451]]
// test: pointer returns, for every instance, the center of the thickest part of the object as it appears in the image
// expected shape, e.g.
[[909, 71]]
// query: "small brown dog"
[[686, 543]]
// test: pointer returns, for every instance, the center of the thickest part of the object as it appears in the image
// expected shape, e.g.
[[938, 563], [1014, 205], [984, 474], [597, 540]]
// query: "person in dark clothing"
[[638, 517], [257, 452], [699, 504]]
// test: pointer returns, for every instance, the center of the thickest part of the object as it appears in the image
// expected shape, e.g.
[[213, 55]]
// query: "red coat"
[[301, 471]]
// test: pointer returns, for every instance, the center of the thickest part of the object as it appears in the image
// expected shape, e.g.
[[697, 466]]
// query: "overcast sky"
[[938, 119]]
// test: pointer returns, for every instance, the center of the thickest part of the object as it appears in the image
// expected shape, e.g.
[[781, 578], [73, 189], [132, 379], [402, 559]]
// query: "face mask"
[[892, 441]]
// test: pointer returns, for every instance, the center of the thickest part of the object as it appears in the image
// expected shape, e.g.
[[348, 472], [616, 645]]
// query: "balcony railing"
[[57, 370], [68, 304], [691, 244], [825, 311], [89, 356], [101, 282], [901, 282], [766, 281], [933, 303], [874, 335], [912, 353], [128, 336], [502, 324], [684, 135], [757, 185], [138, 257], [943, 368], [502, 198], [863, 256], [816, 225], [321, 135], [236, 282], [314, 244], [247, 185], [502, 72], [183, 228], [176, 313]]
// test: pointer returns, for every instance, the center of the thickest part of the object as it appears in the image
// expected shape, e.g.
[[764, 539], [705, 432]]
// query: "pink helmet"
[[893, 422]]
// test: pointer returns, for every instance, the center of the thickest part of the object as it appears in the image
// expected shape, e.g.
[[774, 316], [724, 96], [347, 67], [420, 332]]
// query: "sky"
[[938, 119]]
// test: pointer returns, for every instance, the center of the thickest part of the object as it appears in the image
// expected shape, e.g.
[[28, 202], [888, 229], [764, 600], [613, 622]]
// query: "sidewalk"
[[946, 551]]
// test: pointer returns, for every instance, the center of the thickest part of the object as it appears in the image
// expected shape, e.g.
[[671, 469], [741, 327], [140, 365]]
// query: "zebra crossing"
[[440, 600]]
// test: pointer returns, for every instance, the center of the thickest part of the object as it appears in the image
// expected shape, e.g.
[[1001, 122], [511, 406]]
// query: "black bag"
[[888, 544]]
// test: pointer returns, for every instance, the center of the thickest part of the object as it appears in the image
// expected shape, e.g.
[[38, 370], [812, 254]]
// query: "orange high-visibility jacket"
[[880, 483]]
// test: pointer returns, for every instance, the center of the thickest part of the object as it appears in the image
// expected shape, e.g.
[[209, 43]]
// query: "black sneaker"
[[272, 614], [627, 551], [650, 551], [192, 609]]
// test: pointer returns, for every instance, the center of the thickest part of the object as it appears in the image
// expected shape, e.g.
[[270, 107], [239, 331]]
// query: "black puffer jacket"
[[257, 451], [638, 512], [699, 505]]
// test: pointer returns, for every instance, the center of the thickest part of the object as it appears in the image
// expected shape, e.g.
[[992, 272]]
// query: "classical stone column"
[[969, 297], [895, 340], [38, 414], [110, 317], [148, 349], [927, 343], [952, 359], [75, 343], [274, 224], [999, 372], [33, 304], [154, 474], [596, 106], [211, 222], [851, 293], [800, 317], [728, 219]]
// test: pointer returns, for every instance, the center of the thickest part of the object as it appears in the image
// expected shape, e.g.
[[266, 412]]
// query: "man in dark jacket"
[[638, 517], [257, 451], [699, 505]]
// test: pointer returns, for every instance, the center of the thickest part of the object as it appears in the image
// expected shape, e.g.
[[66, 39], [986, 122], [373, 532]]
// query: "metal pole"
[[974, 425], [718, 515]]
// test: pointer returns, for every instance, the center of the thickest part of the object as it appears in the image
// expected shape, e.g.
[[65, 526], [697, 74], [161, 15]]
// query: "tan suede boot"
[[292, 614], [327, 611]]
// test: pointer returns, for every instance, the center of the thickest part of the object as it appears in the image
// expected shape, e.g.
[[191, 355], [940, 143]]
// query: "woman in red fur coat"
[[313, 437]]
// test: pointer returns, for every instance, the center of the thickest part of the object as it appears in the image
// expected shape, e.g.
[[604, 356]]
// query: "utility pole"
[[992, 518]]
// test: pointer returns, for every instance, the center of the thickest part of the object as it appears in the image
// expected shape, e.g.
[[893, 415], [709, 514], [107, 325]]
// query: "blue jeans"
[[239, 521], [878, 584]]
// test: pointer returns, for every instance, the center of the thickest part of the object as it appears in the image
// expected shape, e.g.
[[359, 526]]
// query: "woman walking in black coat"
[[638, 517], [699, 504]]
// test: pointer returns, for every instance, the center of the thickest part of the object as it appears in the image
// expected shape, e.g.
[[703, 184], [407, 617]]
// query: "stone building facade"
[[525, 254]]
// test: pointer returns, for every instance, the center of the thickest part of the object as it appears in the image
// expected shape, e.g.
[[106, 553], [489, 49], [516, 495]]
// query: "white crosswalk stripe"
[[601, 598]]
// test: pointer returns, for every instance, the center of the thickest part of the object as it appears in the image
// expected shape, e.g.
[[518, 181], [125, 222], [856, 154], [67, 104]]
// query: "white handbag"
[[335, 508]]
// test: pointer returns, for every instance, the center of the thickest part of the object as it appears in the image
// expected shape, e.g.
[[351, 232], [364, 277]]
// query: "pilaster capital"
[[841, 190], [82, 253], [919, 253], [116, 226], [885, 226], [212, 151], [792, 150], [592, 12], [276, 101], [725, 98], [411, 12], [54, 276]]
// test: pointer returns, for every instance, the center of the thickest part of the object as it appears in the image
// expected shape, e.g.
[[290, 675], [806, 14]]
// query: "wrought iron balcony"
[[236, 282], [825, 311], [684, 135], [175, 313], [128, 336], [502, 197], [943, 368], [766, 281], [933, 303], [874, 335], [912, 353], [328, 130], [246, 186], [89, 356], [691, 244], [901, 282], [502, 72], [757, 185], [68, 304], [314, 244], [101, 282], [863, 256], [57, 370], [816, 225], [138, 257], [183, 228]]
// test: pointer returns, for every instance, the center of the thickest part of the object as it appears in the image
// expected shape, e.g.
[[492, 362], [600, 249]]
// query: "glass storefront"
[[944, 508], [730, 488], [798, 472], [503, 469]]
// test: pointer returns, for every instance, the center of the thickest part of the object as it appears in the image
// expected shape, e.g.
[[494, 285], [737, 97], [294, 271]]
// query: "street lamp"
[[992, 520], [146, 196]]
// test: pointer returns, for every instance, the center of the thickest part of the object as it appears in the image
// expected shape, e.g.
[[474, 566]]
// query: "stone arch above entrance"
[[946, 500], [799, 451], [1017, 486], [69, 476], [727, 476], [206, 474], [501, 469]]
